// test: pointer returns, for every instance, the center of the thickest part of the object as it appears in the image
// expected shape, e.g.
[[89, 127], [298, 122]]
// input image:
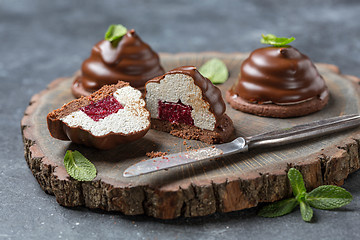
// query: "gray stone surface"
[[44, 40]]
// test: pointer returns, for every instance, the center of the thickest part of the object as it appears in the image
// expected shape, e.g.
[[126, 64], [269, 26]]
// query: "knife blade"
[[243, 144]]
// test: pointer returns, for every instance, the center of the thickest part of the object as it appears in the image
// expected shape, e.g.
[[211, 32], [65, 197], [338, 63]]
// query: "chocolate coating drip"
[[279, 75], [210, 92], [132, 61]]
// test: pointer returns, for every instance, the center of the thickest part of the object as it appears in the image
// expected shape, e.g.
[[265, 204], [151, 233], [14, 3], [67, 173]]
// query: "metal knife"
[[243, 144]]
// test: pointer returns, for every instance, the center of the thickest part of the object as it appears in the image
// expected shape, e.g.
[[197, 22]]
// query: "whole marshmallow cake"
[[113, 115], [187, 105], [278, 81], [128, 59]]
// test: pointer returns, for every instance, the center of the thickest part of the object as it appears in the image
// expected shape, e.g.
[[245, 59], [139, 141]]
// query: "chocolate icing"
[[210, 92], [280, 75], [131, 61]]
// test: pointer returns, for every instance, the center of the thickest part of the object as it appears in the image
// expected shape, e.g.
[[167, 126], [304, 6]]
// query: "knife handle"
[[303, 132]]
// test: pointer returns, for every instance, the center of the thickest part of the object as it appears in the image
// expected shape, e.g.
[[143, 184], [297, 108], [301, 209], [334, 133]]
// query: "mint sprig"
[[279, 208], [215, 70], [115, 33], [78, 166], [328, 197], [306, 211], [296, 182], [271, 39], [323, 197]]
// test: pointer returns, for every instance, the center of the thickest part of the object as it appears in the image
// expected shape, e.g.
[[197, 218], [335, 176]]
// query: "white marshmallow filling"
[[175, 87], [132, 118]]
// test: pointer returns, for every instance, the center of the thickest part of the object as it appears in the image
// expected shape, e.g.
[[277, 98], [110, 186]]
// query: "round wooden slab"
[[227, 184]]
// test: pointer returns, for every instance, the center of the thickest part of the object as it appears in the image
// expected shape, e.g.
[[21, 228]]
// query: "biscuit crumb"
[[153, 154]]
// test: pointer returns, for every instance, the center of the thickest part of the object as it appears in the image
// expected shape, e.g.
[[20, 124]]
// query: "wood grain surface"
[[228, 184]]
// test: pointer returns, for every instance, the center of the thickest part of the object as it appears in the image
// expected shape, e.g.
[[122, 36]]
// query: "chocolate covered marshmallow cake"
[[278, 81], [187, 105], [113, 115], [128, 59]]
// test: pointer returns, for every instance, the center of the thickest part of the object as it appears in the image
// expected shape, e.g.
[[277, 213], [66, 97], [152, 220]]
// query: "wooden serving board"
[[231, 183]]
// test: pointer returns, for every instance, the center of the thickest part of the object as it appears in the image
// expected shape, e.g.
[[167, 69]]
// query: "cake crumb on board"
[[153, 154]]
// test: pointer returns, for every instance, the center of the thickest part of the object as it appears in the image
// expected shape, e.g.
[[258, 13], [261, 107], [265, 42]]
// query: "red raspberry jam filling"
[[175, 112], [102, 108]]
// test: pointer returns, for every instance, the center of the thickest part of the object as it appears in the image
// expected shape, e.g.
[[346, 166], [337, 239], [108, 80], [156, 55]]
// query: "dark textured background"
[[44, 40]]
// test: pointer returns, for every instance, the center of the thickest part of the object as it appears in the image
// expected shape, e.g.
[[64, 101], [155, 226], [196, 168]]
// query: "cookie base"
[[223, 133], [277, 111]]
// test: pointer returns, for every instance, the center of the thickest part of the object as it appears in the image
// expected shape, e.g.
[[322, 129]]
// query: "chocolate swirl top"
[[210, 92], [132, 61], [280, 75]]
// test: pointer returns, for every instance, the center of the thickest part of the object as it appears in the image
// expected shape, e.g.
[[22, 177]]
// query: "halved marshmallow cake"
[[113, 115], [187, 105]]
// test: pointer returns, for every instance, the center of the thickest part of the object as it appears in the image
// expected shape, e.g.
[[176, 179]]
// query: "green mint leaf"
[[296, 182], [279, 208], [306, 211], [115, 33], [328, 197], [276, 41], [78, 167], [215, 70]]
